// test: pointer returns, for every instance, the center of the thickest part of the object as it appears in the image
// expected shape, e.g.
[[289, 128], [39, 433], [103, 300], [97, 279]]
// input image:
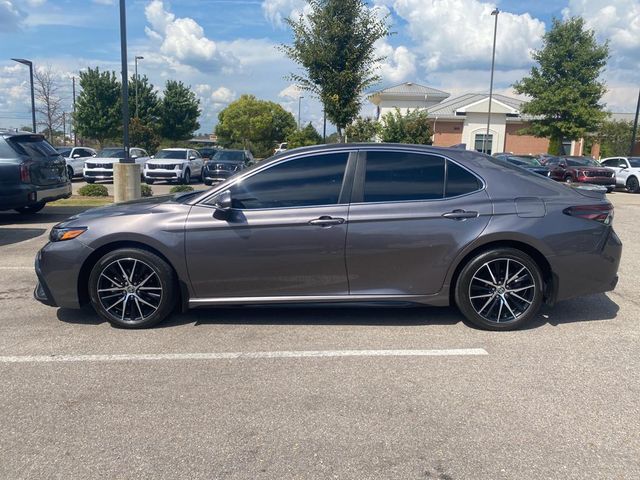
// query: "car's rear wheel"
[[132, 288], [500, 289], [633, 186], [34, 208]]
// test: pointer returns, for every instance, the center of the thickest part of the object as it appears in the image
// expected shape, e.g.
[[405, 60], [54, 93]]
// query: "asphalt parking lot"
[[318, 392]]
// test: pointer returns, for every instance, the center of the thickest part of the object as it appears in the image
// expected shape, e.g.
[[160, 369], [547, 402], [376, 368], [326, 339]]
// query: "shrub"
[[94, 190], [145, 190], [181, 188]]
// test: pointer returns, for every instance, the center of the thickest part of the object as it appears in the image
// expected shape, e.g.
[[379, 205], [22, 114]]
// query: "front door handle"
[[326, 221], [460, 215]]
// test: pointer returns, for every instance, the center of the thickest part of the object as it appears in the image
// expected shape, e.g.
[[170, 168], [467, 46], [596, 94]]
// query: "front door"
[[284, 236], [411, 215]]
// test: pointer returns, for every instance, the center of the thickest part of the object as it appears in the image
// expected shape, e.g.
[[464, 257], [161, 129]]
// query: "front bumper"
[[216, 175], [58, 266], [161, 174], [98, 174], [604, 181]]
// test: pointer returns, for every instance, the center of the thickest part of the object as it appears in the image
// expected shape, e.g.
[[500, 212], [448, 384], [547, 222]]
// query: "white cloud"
[[182, 39], [10, 15], [223, 96], [292, 92], [276, 11], [35, 3], [400, 63]]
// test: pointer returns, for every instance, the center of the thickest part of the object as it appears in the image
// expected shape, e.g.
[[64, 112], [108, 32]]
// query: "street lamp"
[[495, 13], [299, 105], [29, 64], [137, 79]]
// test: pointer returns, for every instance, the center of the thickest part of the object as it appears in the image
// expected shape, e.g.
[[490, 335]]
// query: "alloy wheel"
[[129, 290], [502, 290]]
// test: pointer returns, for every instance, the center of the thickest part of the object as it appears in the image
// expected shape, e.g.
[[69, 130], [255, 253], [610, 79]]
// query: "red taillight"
[[602, 213], [25, 177]]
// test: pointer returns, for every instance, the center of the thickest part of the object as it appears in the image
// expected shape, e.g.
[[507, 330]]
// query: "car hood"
[[165, 161], [594, 169], [102, 160], [124, 208]]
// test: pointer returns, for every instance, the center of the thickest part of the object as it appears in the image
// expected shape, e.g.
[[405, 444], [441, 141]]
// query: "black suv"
[[224, 164], [32, 172]]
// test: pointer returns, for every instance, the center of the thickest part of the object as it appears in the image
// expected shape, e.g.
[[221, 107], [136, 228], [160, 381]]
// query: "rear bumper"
[[23, 195], [587, 273]]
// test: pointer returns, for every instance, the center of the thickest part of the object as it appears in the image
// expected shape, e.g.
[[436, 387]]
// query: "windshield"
[[65, 152], [229, 156], [581, 162], [525, 160], [172, 154], [634, 162], [111, 153]]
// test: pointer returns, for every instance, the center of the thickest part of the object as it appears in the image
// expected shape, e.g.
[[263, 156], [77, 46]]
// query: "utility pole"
[[635, 128], [324, 125], [64, 129], [75, 137], [137, 80], [495, 13]]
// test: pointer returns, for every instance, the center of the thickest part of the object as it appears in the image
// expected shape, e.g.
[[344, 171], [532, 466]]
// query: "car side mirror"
[[223, 201], [76, 155], [192, 157], [562, 165]]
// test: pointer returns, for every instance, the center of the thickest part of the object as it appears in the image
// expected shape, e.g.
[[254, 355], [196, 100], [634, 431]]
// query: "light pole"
[[495, 13], [635, 128], [29, 64], [299, 105], [137, 79]]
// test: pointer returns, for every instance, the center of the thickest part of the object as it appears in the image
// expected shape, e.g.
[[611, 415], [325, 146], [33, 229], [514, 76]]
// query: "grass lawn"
[[80, 201]]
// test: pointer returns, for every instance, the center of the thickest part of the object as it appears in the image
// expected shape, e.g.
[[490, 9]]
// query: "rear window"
[[33, 146]]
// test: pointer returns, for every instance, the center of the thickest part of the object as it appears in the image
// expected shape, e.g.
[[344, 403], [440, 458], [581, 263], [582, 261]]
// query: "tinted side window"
[[460, 181], [313, 180], [5, 150], [400, 176]]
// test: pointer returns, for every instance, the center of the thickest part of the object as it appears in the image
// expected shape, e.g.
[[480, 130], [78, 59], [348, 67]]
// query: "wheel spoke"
[[486, 304], [149, 288], [506, 273], [520, 298], [121, 300], [126, 277], [515, 276], [482, 296], [146, 280], [155, 307], [117, 289], [506, 303], [520, 289], [117, 284], [138, 305], [495, 282], [500, 311], [124, 307], [487, 282]]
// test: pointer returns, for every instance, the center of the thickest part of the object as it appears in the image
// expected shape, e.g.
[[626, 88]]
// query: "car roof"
[[177, 149]]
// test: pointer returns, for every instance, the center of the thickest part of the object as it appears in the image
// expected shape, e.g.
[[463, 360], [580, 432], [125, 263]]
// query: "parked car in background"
[[32, 172], [571, 169], [207, 152], [544, 158], [342, 223], [226, 163], [528, 162], [627, 171], [282, 147], [101, 166], [75, 158], [174, 165]]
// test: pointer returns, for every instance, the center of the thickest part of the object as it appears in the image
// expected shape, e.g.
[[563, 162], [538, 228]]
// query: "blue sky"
[[224, 48]]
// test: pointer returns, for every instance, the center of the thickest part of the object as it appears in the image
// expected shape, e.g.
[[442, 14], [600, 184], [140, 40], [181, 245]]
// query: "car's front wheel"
[[632, 185], [132, 288], [70, 172], [500, 289], [89, 180], [149, 181], [186, 178]]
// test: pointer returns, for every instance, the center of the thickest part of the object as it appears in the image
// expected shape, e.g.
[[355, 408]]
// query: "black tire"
[[484, 305], [140, 264], [208, 182], [568, 179], [70, 172], [148, 181], [28, 209], [633, 186], [89, 180], [186, 178]]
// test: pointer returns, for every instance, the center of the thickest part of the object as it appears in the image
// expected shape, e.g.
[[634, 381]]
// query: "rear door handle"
[[326, 221], [460, 215]]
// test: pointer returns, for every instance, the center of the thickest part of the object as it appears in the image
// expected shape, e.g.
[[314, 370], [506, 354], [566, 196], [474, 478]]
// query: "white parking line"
[[241, 355]]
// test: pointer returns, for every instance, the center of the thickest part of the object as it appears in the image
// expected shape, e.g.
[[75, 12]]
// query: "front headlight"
[[60, 234], [178, 167]]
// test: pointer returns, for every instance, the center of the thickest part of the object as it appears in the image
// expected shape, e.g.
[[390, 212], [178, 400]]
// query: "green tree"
[[305, 137], [180, 110], [334, 44], [564, 86], [615, 137], [412, 127], [149, 105], [254, 124], [143, 136], [98, 107], [363, 130]]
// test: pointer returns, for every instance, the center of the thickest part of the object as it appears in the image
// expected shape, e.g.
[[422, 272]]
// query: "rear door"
[[411, 214], [46, 165]]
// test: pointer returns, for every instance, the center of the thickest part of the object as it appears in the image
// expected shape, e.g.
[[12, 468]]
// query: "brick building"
[[463, 119]]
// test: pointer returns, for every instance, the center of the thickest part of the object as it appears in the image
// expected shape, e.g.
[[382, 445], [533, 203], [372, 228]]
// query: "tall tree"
[[614, 137], [412, 127], [334, 44], [48, 100], [304, 137], [148, 104], [180, 110], [363, 130], [565, 86], [254, 124], [98, 106]]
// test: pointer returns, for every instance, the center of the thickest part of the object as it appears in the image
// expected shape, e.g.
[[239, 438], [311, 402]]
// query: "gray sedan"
[[345, 223]]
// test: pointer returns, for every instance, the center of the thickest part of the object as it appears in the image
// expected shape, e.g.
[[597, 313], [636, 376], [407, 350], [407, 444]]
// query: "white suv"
[[75, 157], [101, 166], [627, 171], [174, 165]]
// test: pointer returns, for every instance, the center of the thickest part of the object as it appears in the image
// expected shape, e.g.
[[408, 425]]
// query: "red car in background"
[[582, 170]]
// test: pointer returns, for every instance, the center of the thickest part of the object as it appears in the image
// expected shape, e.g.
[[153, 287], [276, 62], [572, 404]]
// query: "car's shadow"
[[9, 236], [585, 309], [46, 215]]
